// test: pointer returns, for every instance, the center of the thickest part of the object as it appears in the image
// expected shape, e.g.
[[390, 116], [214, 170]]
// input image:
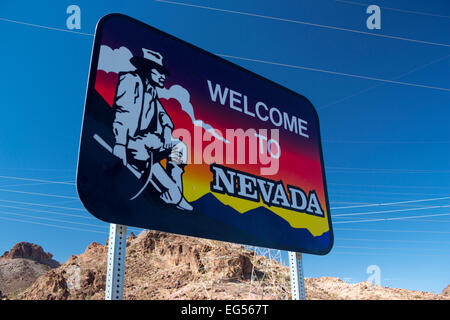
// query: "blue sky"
[[383, 142]]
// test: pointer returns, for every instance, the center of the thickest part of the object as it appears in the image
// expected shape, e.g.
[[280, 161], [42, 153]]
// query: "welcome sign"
[[177, 139]]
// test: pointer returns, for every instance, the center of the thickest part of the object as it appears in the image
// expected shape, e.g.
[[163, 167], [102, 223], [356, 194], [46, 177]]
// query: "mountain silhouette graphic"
[[263, 226]]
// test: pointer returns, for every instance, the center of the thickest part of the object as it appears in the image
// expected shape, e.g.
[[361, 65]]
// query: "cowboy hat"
[[150, 60]]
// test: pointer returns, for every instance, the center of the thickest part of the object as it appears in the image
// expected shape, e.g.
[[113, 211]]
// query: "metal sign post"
[[296, 273], [116, 261]]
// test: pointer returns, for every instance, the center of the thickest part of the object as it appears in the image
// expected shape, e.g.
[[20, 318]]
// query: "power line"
[[43, 205], [26, 184], [372, 197], [348, 97], [389, 211], [403, 205], [387, 186], [285, 65], [44, 27], [68, 201], [390, 203], [348, 202], [50, 219], [377, 240], [52, 225], [385, 142], [306, 23], [46, 211], [59, 226], [392, 240], [38, 180], [418, 220], [436, 221], [35, 193], [395, 231], [386, 193], [379, 85], [37, 169], [396, 9], [391, 254], [62, 221], [392, 219], [384, 248], [387, 170], [335, 73], [39, 194], [88, 217], [364, 203], [334, 192]]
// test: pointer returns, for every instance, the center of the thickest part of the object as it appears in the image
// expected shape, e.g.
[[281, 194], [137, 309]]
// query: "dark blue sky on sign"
[[382, 98]]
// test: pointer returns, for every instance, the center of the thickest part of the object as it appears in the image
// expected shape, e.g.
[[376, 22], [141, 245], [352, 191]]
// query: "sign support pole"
[[116, 261], [296, 274]]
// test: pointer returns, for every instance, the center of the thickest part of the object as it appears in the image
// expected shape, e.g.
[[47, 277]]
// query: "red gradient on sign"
[[105, 84]]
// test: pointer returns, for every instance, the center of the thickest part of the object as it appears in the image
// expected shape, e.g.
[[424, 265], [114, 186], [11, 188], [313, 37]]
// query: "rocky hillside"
[[21, 266], [165, 266]]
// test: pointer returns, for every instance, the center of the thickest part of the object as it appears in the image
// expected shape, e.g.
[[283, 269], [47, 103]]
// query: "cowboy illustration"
[[143, 130]]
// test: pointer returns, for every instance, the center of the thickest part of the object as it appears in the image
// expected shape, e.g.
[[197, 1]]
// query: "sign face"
[[179, 140]]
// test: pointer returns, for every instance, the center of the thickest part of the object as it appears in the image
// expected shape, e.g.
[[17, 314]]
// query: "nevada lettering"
[[273, 193]]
